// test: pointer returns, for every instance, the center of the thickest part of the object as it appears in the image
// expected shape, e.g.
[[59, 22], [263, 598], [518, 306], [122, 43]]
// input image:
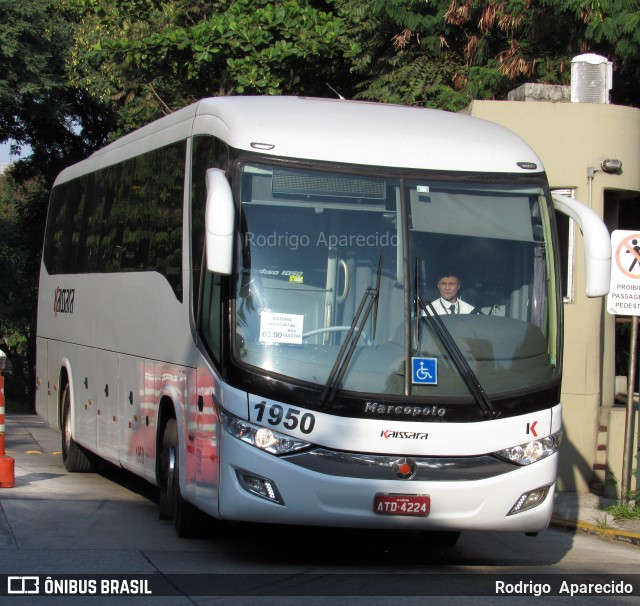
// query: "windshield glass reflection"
[[314, 243]]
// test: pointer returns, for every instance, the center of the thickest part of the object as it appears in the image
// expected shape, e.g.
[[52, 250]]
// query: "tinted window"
[[126, 217]]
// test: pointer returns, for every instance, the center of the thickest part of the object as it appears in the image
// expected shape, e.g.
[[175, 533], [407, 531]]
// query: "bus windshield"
[[328, 256]]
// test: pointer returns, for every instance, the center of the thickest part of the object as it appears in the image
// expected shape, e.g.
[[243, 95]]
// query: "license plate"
[[402, 504]]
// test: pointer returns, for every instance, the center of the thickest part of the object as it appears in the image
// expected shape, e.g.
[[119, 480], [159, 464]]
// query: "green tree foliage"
[[60, 124], [445, 53], [400, 57], [151, 57], [29, 64], [19, 228], [38, 106], [612, 28]]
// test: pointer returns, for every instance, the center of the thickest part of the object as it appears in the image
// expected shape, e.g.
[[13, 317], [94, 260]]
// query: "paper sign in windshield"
[[280, 328]]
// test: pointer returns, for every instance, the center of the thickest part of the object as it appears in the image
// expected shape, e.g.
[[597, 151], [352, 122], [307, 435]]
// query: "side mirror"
[[219, 222], [597, 243]]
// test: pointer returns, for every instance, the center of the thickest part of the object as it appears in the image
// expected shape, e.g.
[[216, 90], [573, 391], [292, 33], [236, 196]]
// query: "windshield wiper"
[[438, 328], [368, 302]]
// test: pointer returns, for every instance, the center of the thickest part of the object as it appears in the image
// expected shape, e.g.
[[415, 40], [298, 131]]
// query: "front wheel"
[[74, 457], [173, 506]]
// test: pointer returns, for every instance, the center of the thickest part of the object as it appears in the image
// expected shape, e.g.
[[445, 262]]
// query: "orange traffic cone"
[[7, 464]]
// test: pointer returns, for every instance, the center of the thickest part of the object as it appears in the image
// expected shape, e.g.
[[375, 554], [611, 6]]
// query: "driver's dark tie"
[[452, 308]]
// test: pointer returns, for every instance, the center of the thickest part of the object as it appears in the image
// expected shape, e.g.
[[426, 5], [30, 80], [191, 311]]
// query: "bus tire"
[[74, 457], [172, 505], [168, 448]]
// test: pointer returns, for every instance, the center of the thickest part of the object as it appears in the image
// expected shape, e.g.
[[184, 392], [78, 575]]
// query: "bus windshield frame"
[[317, 243]]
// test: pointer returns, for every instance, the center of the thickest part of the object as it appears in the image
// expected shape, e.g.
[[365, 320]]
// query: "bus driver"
[[449, 302]]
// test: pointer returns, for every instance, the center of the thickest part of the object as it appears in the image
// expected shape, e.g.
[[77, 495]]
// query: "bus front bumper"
[[294, 494]]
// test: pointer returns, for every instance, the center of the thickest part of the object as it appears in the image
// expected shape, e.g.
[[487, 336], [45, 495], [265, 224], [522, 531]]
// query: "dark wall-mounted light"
[[611, 166]]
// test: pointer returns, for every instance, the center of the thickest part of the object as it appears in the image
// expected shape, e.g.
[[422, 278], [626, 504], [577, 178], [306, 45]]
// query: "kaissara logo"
[[389, 434], [63, 300]]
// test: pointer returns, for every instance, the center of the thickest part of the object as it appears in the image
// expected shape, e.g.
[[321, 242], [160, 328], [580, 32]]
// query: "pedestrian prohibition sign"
[[624, 291]]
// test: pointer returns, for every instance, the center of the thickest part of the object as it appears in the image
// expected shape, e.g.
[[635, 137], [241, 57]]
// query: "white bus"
[[236, 304]]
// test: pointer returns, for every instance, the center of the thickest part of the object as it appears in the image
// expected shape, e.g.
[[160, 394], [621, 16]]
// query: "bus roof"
[[339, 130]]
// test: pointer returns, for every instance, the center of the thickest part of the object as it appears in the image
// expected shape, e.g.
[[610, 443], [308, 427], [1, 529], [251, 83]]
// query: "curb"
[[614, 534]]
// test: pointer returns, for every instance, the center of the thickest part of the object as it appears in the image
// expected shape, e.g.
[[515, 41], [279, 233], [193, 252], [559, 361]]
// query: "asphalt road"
[[62, 528]]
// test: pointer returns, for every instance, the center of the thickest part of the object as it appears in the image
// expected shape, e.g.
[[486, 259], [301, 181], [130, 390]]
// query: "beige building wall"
[[571, 138]]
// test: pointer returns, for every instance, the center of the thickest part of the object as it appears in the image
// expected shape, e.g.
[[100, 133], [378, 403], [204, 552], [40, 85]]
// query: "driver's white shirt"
[[443, 307]]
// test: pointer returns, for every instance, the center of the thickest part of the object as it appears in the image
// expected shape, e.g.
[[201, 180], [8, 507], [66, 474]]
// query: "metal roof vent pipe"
[[591, 79]]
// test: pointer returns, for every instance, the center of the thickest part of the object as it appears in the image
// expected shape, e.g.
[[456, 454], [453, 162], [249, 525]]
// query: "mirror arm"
[[597, 243]]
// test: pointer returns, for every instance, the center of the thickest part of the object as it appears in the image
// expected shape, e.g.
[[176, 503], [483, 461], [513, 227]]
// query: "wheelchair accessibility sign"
[[424, 371]]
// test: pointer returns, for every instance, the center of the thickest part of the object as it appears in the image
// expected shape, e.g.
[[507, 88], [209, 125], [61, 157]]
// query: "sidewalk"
[[585, 512], [27, 435]]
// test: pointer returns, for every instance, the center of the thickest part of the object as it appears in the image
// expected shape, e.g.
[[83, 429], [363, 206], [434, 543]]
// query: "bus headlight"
[[531, 452], [529, 500], [259, 486], [263, 438]]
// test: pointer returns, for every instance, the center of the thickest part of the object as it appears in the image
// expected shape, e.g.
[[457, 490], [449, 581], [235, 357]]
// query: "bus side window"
[[55, 224], [109, 186], [165, 243], [208, 152], [212, 314]]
